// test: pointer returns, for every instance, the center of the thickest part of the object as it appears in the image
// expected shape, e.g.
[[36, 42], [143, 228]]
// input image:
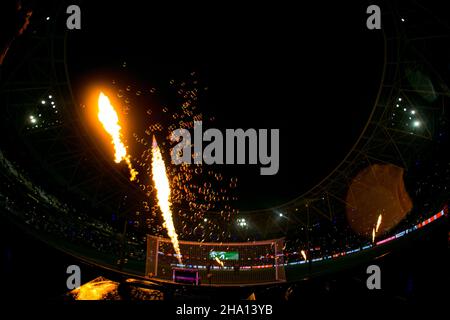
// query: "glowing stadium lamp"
[[416, 124], [242, 223]]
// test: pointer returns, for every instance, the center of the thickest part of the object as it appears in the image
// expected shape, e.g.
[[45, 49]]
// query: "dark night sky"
[[311, 71]]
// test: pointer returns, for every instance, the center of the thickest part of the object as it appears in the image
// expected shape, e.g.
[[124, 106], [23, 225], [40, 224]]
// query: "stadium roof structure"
[[407, 124]]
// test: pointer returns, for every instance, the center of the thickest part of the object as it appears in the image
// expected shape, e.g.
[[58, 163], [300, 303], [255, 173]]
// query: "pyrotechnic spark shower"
[[303, 254], [110, 121], [95, 290], [375, 230], [163, 195], [380, 217], [219, 261]]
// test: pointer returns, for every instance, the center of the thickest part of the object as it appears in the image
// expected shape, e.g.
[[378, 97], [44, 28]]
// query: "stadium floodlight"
[[242, 222]]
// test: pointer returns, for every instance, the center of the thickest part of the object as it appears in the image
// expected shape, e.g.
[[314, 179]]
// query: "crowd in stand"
[[48, 216]]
